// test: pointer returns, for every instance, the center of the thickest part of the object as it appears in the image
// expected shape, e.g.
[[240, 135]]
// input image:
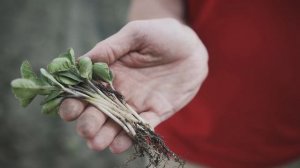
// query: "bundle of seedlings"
[[91, 82]]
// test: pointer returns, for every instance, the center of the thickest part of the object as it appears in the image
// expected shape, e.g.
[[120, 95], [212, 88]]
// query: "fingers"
[[70, 109], [92, 126], [122, 141], [90, 121], [104, 136], [117, 45]]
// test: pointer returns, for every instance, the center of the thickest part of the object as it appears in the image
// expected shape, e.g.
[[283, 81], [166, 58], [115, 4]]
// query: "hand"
[[158, 66]]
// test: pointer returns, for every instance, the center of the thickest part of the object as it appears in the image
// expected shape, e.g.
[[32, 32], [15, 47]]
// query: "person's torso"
[[247, 113]]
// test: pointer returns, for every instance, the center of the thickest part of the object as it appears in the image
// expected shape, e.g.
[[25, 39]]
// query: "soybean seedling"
[[91, 82]]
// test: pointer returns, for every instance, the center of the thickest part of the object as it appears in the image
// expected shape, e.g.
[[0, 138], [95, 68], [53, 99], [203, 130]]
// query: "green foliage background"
[[38, 30]]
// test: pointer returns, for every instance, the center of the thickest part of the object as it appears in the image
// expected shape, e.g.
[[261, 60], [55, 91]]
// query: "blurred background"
[[38, 30]]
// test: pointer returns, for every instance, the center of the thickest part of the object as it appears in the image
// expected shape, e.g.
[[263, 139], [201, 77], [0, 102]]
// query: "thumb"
[[116, 46]]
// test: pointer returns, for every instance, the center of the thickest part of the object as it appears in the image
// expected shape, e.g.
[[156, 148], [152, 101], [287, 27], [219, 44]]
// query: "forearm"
[[150, 9]]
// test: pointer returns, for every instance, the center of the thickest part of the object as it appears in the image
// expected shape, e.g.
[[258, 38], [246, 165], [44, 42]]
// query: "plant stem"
[[74, 92], [120, 112], [109, 113], [100, 93]]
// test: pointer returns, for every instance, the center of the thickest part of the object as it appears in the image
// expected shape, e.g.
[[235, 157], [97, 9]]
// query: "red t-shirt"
[[247, 112]]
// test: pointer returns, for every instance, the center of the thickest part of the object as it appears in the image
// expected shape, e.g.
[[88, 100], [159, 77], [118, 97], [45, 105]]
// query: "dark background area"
[[38, 30]]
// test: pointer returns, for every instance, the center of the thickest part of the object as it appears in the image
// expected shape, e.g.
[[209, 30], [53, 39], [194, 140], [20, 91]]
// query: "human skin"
[[159, 66]]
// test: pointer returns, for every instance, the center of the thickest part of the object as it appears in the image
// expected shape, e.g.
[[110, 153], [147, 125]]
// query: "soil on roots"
[[146, 142], [149, 145]]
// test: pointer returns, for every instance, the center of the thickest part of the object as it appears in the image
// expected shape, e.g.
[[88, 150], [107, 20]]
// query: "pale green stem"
[[110, 114], [123, 114], [75, 93], [128, 108], [100, 93], [120, 111], [133, 112]]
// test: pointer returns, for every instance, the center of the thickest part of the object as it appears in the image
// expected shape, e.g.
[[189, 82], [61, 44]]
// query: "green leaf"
[[52, 106], [60, 64], [53, 95], [85, 67], [26, 71], [101, 70], [43, 81], [70, 75], [66, 80], [25, 102], [70, 55], [25, 90], [50, 77]]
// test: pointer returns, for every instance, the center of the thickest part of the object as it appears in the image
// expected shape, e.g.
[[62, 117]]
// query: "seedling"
[[93, 83]]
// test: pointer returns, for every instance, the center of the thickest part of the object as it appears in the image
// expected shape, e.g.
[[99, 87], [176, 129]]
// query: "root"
[[146, 142], [150, 145]]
